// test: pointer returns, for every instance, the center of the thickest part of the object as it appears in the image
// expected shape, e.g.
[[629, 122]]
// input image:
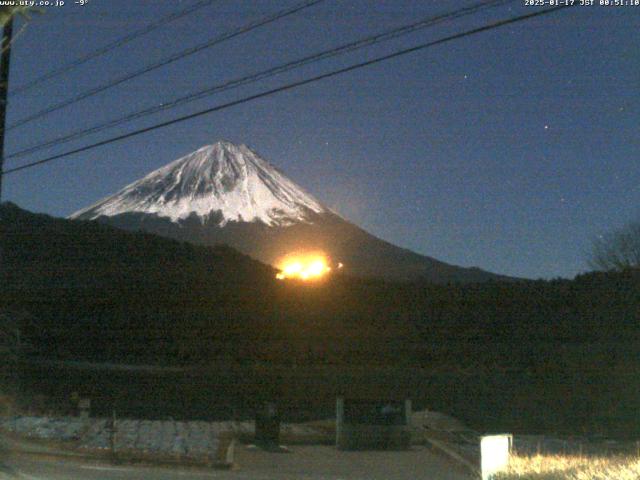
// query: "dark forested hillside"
[[102, 294], [559, 354]]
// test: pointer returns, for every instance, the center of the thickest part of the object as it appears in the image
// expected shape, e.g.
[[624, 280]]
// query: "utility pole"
[[5, 59]]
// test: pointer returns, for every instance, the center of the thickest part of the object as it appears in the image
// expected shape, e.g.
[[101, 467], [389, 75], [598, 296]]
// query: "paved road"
[[30, 468], [328, 463], [303, 463]]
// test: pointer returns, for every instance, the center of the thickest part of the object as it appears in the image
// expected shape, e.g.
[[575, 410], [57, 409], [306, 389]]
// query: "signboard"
[[368, 412], [494, 454]]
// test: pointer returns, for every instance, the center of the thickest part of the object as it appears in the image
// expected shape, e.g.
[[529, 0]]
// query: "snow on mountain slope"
[[224, 177]]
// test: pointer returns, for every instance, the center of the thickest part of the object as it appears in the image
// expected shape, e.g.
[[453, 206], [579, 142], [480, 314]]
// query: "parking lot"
[[328, 463]]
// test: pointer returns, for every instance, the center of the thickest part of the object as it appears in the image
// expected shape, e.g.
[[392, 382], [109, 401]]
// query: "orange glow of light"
[[305, 266]]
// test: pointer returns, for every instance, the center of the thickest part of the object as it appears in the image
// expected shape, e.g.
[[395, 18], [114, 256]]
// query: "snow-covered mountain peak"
[[223, 177]]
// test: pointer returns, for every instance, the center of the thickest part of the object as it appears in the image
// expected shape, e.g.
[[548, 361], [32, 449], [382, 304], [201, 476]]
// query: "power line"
[[248, 79], [111, 46], [293, 85], [173, 58]]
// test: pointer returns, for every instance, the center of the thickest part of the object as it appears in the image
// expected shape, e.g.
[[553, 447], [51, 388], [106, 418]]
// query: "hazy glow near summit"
[[304, 266]]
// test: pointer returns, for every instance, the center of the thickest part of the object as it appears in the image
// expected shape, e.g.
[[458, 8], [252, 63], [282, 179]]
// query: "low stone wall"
[[195, 440]]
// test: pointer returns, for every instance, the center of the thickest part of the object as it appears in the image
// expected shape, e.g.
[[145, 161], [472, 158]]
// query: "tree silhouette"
[[619, 250]]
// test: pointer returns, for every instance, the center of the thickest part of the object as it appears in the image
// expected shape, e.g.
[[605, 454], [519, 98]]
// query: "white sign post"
[[494, 454]]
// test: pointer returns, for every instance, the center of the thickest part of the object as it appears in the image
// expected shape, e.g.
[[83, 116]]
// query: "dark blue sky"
[[509, 150]]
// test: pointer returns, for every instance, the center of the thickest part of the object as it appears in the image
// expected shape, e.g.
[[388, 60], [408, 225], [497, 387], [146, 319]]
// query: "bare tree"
[[619, 250]]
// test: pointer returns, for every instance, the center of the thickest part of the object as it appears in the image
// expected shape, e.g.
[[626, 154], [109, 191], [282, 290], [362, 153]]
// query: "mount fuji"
[[226, 193]]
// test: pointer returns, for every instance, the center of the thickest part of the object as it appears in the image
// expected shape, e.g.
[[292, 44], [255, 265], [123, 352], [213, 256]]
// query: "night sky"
[[510, 150]]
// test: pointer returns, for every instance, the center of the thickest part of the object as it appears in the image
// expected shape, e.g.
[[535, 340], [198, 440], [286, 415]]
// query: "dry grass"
[[556, 467]]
